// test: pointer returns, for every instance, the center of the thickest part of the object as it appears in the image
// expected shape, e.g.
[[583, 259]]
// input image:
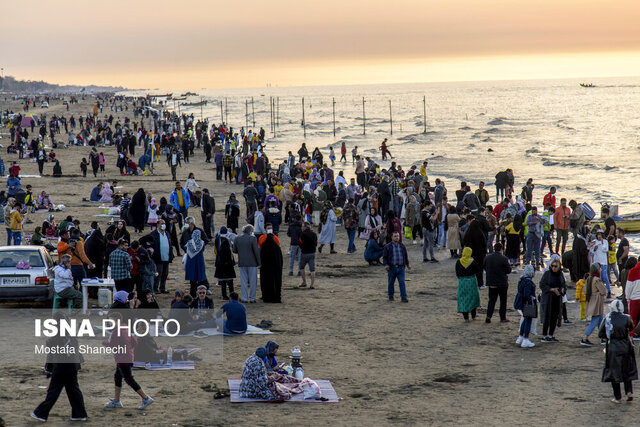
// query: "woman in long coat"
[[225, 272], [468, 293], [232, 212], [270, 270], [194, 268], [580, 251], [620, 359], [453, 232], [328, 219], [137, 210], [475, 239]]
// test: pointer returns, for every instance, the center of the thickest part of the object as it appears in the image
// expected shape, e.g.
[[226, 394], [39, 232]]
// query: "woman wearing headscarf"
[[37, 238], [595, 292], [270, 269], [255, 383], [452, 226], [328, 220], [49, 226], [372, 221], [553, 287], [476, 239], [373, 251], [194, 269], [225, 272], [137, 210], [94, 248], [121, 232], [468, 293], [171, 219], [624, 276], [232, 212], [526, 295], [393, 225], [580, 251], [270, 360], [106, 194], [620, 360]]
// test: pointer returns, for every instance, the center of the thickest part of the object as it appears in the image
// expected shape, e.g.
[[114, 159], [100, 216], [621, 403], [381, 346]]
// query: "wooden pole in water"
[[246, 114], [226, 111], [278, 112], [390, 118], [334, 116], [304, 124], [253, 112], [364, 119], [424, 113], [200, 108], [221, 113]]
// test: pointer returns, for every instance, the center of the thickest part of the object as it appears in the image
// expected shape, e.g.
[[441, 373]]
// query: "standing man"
[[308, 244], [395, 261], [258, 222], [536, 224], [482, 194], [120, 263], [428, 219], [351, 220], [550, 198], [246, 246], [561, 224], [576, 219], [497, 267], [361, 179], [622, 253], [251, 194], [207, 209], [609, 224], [15, 224], [162, 256], [180, 201]]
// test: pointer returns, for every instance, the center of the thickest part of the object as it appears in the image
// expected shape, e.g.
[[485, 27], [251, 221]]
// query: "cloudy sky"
[[218, 44]]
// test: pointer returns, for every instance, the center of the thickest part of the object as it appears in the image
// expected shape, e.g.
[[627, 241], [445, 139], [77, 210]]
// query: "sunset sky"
[[219, 44]]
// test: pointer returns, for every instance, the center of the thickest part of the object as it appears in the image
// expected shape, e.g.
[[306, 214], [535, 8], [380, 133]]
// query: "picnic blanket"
[[325, 387], [108, 216], [210, 332], [182, 365]]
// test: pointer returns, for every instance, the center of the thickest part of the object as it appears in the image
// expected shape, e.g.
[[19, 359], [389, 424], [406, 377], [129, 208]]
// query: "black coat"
[[156, 246], [580, 262], [271, 270], [497, 268], [225, 261], [137, 210], [94, 248], [620, 359]]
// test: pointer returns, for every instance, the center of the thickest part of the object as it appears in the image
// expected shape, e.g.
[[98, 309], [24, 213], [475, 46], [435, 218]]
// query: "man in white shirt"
[[63, 282], [258, 222]]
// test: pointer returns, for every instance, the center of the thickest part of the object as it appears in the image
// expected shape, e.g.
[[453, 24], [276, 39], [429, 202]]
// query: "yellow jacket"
[[580, 296], [16, 221]]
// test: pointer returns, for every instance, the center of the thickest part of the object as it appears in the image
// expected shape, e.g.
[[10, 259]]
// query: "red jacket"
[[549, 198]]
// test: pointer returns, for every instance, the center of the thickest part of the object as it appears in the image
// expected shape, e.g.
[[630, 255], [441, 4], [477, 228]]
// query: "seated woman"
[[132, 168], [270, 361], [373, 251], [49, 227], [57, 169], [149, 304], [106, 194], [37, 238], [257, 384], [44, 202]]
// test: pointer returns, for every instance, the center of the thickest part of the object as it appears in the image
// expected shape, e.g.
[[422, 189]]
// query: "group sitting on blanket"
[[258, 382]]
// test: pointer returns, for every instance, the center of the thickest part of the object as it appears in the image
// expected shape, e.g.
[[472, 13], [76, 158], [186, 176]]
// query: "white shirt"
[[600, 251], [63, 278]]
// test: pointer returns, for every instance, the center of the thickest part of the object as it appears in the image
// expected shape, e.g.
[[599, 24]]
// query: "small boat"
[[630, 223], [189, 94], [193, 104], [182, 98], [159, 96], [587, 84]]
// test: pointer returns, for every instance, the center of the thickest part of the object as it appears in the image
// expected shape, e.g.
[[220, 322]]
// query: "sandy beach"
[[390, 363]]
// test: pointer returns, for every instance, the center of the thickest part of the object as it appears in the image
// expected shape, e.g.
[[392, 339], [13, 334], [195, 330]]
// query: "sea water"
[[584, 141]]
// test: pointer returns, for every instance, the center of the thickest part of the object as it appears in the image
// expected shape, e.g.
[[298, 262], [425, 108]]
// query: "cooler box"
[[104, 297], [589, 213]]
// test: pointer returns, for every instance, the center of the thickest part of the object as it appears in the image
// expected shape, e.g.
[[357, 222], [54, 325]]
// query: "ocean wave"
[[498, 121], [532, 151], [466, 128], [488, 139], [493, 130], [549, 162]]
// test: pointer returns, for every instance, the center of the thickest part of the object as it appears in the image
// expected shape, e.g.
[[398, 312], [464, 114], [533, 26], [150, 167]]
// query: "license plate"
[[15, 281]]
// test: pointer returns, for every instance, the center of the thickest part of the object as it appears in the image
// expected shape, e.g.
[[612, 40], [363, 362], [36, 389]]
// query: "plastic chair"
[[56, 298]]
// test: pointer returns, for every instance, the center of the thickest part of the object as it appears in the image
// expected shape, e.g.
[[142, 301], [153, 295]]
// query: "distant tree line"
[[11, 84]]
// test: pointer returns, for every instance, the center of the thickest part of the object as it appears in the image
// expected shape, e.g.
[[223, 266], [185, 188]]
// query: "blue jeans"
[[595, 322], [78, 274], [392, 274], [490, 237], [9, 236], [605, 276], [546, 239], [17, 239], [427, 243], [525, 327], [352, 235], [533, 248], [499, 194], [442, 235], [293, 257]]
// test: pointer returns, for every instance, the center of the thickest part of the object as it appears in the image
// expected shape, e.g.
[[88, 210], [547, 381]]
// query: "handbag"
[[365, 234], [530, 309]]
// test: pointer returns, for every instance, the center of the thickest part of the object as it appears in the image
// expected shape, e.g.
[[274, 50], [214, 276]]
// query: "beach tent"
[[26, 121]]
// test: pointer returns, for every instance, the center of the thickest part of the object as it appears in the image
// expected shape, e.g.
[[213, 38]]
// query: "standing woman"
[[512, 230], [553, 287], [225, 272], [271, 270], [620, 360], [595, 293], [194, 268], [137, 210], [475, 239], [526, 296], [191, 185], [328, 220], [232, 212], [468, 293], [393, 225], [451, 222]]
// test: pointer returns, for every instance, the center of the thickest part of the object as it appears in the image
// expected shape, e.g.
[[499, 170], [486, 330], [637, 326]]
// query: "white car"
[[32, 281], [44, 104]]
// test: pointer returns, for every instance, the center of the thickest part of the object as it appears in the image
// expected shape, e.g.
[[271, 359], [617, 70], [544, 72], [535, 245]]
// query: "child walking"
[[124, 362], [581, 297]]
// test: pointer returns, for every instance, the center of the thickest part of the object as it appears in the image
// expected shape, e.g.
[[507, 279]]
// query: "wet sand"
[[391, 363]]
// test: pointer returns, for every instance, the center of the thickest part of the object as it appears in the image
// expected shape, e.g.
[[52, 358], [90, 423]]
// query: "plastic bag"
[[311, 389], [408, 233]]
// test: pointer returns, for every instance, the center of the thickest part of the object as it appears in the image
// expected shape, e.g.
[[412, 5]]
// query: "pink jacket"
[[127, 342]]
